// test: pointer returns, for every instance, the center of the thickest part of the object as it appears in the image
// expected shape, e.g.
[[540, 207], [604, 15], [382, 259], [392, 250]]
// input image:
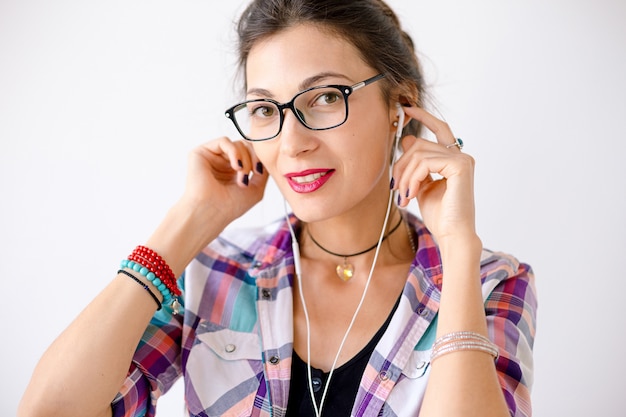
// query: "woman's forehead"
[[298, 53]]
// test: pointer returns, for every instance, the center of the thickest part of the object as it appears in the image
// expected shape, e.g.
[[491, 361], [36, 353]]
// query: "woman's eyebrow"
[[306, 83], [315, 79], [261, 92]]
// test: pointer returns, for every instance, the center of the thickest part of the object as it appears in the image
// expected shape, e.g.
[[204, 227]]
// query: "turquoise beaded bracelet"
[[154, 280], [168, 297]]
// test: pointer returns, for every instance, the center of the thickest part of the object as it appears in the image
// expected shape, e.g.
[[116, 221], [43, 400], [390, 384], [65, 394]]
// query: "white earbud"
[[396, 145], [400, 121], [400, 111]]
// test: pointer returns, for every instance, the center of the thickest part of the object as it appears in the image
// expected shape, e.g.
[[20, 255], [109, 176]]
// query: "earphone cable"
[[298, 270]]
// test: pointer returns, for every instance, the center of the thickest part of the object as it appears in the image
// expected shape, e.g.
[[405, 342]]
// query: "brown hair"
[[370, 25]]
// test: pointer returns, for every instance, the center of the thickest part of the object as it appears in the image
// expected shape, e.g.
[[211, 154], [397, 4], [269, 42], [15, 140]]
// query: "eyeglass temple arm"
[[368, 81]]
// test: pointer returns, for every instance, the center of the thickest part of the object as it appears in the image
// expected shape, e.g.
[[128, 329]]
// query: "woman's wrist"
[[461, 307], [185, 231], [461, 247]]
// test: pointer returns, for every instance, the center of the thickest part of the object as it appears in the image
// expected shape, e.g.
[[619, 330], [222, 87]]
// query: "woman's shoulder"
[[495, 266], [229, 261], [501, 265], [508, 283], [248, 243]]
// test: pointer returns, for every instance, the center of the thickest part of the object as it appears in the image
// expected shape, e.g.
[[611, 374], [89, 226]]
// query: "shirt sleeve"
[[511, 319], [154, 368]]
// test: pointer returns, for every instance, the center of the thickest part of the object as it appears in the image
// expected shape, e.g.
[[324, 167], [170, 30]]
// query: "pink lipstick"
[[309, 180]]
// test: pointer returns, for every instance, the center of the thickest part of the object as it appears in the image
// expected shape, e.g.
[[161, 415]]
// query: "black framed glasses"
[[317, 108]]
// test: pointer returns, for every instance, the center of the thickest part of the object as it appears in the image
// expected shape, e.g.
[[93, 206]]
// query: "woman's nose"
[[294, 137]]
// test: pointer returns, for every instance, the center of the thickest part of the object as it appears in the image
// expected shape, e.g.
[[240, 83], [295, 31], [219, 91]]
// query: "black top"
[[344, 383]]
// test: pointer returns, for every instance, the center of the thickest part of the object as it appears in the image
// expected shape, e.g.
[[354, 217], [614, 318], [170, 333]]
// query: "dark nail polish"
[[259, 168], [392, 183], [245, 179], [407, 193], [239, 163], [399, 199]]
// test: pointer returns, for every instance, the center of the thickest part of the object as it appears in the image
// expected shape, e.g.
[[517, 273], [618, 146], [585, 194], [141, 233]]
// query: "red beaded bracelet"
[[154, 259], [157, 265], [167, 281]]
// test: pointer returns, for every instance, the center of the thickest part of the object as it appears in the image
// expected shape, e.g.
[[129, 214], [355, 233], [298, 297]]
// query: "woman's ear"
[[408, 94], [406, 102], [401, 103]]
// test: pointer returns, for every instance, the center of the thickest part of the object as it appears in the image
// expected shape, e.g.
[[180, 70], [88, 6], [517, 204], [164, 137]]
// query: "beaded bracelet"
[[168, 297], [144, 285], [458, 341], [156, 264], [151, 265]]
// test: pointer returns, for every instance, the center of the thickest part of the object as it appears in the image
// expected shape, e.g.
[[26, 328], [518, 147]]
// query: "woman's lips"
[[309, 180]]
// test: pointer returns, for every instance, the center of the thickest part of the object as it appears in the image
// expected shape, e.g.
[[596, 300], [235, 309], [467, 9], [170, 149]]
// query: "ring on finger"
[[457, 142]]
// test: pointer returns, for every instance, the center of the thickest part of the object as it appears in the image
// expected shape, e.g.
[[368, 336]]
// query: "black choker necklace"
[[345, 271]]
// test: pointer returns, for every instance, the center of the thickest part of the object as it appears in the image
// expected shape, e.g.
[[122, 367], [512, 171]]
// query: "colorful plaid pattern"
[[233, 342]]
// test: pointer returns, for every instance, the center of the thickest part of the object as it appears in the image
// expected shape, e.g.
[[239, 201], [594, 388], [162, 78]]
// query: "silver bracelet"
[[459, 341]]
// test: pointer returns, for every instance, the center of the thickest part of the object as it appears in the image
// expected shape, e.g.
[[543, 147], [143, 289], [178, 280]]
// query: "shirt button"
[[317, 383], [274, 360], [266, 294], [384, 375], [422, 311], [230, 348]]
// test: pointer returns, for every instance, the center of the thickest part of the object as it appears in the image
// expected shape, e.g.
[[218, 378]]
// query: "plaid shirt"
[[233, 342]]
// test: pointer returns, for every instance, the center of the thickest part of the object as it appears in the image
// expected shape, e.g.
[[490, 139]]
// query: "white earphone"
[[298, 270], [400, 121], [399, 128]]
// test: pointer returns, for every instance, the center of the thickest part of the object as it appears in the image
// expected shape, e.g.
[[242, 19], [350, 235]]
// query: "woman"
[[350, 300]]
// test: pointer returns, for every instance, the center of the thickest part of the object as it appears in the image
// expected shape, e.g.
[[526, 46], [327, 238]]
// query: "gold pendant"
[[346, 271]]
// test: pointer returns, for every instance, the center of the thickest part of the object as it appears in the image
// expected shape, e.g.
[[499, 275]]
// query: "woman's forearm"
[[83, 370], [465, 382]]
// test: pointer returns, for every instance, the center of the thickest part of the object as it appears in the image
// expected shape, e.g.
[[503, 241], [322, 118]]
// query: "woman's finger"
[[244, 163], [441, 129], [239, 157], [252, 167]]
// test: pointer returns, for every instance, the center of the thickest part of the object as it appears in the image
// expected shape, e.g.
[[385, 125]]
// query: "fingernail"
[[399, 199], [407, 193], [239, 163], [259, 168], [245, 179], [392, 183]]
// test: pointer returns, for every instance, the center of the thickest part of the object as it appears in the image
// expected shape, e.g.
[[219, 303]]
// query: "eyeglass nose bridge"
[[297, 112]]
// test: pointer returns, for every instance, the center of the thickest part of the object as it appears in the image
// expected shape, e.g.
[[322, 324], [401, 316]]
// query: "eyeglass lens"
[[317, 108]]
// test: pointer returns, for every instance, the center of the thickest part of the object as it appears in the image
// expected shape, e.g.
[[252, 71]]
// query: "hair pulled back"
[[369, 25]]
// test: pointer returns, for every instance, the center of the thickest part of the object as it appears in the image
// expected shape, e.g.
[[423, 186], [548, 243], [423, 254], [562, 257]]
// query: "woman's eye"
[[263, 111], [327, 98]]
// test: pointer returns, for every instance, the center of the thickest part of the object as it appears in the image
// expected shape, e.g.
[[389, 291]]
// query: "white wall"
[[101, 101]]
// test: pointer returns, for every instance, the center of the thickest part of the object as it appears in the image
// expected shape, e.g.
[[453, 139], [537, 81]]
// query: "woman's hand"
[[224, 180], [446, 203], [441, 177], [226, 176]]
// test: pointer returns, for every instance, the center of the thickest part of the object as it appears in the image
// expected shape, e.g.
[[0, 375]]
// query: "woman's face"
[[328, 173]]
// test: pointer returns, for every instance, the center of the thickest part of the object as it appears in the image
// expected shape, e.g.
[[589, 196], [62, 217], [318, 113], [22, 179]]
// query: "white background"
[[100, 103]]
